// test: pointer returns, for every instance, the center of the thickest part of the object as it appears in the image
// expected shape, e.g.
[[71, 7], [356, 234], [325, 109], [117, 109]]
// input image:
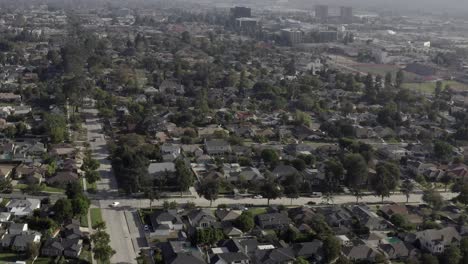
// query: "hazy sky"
[[438, 6]]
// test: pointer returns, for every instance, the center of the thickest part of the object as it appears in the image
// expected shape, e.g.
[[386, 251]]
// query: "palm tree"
[[407, 188], [357, 193]]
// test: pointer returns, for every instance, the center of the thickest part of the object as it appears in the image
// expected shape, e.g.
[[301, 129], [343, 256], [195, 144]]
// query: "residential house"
[[226, 215], [232, 232], [6, 171], [230, 258], [17, 228], [170, 151], [276, 255], [395, 249], [62, 178], [435, 241], [163, 222], [23, 207], [180, 252], [201, 218], [273, 220], [10, 98], [55, 247], [5, 217], [281, 172], [369, 218], [217, 147], [162, 170], [312, 251], [360, 252], [23, 241]]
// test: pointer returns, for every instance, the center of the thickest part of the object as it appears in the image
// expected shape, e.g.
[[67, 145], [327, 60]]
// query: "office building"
[[292, 36], [346, 14], [240, 11], [321, 13]]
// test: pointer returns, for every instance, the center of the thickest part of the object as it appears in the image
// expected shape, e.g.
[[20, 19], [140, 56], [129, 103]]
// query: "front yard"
[[96, 216]]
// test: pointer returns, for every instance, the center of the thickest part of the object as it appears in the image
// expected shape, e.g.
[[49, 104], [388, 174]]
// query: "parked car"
[[114, 204], [258, 197], [146, 228]]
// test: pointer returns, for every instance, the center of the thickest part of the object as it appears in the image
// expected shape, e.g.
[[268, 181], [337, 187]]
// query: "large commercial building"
[[346, 14], [247, 23], [240, 11], [321, 13], [292, 36]]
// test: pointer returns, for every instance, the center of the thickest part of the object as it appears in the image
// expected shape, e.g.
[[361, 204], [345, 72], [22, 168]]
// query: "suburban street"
[[339, 199], [127, 236], [123, 223]]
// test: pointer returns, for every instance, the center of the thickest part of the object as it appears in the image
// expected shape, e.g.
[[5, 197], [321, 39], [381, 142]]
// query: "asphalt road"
[[125, 232], [127, 204]]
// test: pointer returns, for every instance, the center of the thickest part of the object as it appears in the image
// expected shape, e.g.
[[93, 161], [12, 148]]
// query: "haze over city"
[[233, 131]]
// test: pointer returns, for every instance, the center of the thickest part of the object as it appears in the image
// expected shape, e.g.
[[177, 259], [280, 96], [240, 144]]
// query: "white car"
[[114, 204], [258, 197]]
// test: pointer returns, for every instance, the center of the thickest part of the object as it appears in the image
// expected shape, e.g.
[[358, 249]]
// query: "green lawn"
[[429, 87], [257, 210], [96, 216], [42, 260], [8, 257], [92, 187], [50, 189], [86, 256], [84, 221], [20, 186]]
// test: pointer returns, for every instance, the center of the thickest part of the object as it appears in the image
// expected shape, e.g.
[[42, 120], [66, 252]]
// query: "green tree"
[[271, 190], [331, 248], [92, 176], [429, 259], [270, 156], [33, 251], [463, 196], [407, 188], [452, 255], [291, 187], [184, 175], [443, 150], [63, 210], [245, 221], [438, 88], [73, 190], [80, 205], [433, 199], [398, 220], [302, 118], [301, 260], [103, 252], [388, 79], [356, 170], [400, 76], [385, 180], [55, 127], [209, 190], [100, 226], [334, 173], [464, 250]]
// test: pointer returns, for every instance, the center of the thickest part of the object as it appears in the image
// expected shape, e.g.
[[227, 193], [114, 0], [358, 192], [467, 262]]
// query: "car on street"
[[146, 228], [114, 204], [316, 194], [258, 197]]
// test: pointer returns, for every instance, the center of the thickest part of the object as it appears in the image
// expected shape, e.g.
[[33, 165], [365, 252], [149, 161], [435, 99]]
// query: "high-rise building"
[[346, 14], [292, 36], [321, 13], [240, 11]]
